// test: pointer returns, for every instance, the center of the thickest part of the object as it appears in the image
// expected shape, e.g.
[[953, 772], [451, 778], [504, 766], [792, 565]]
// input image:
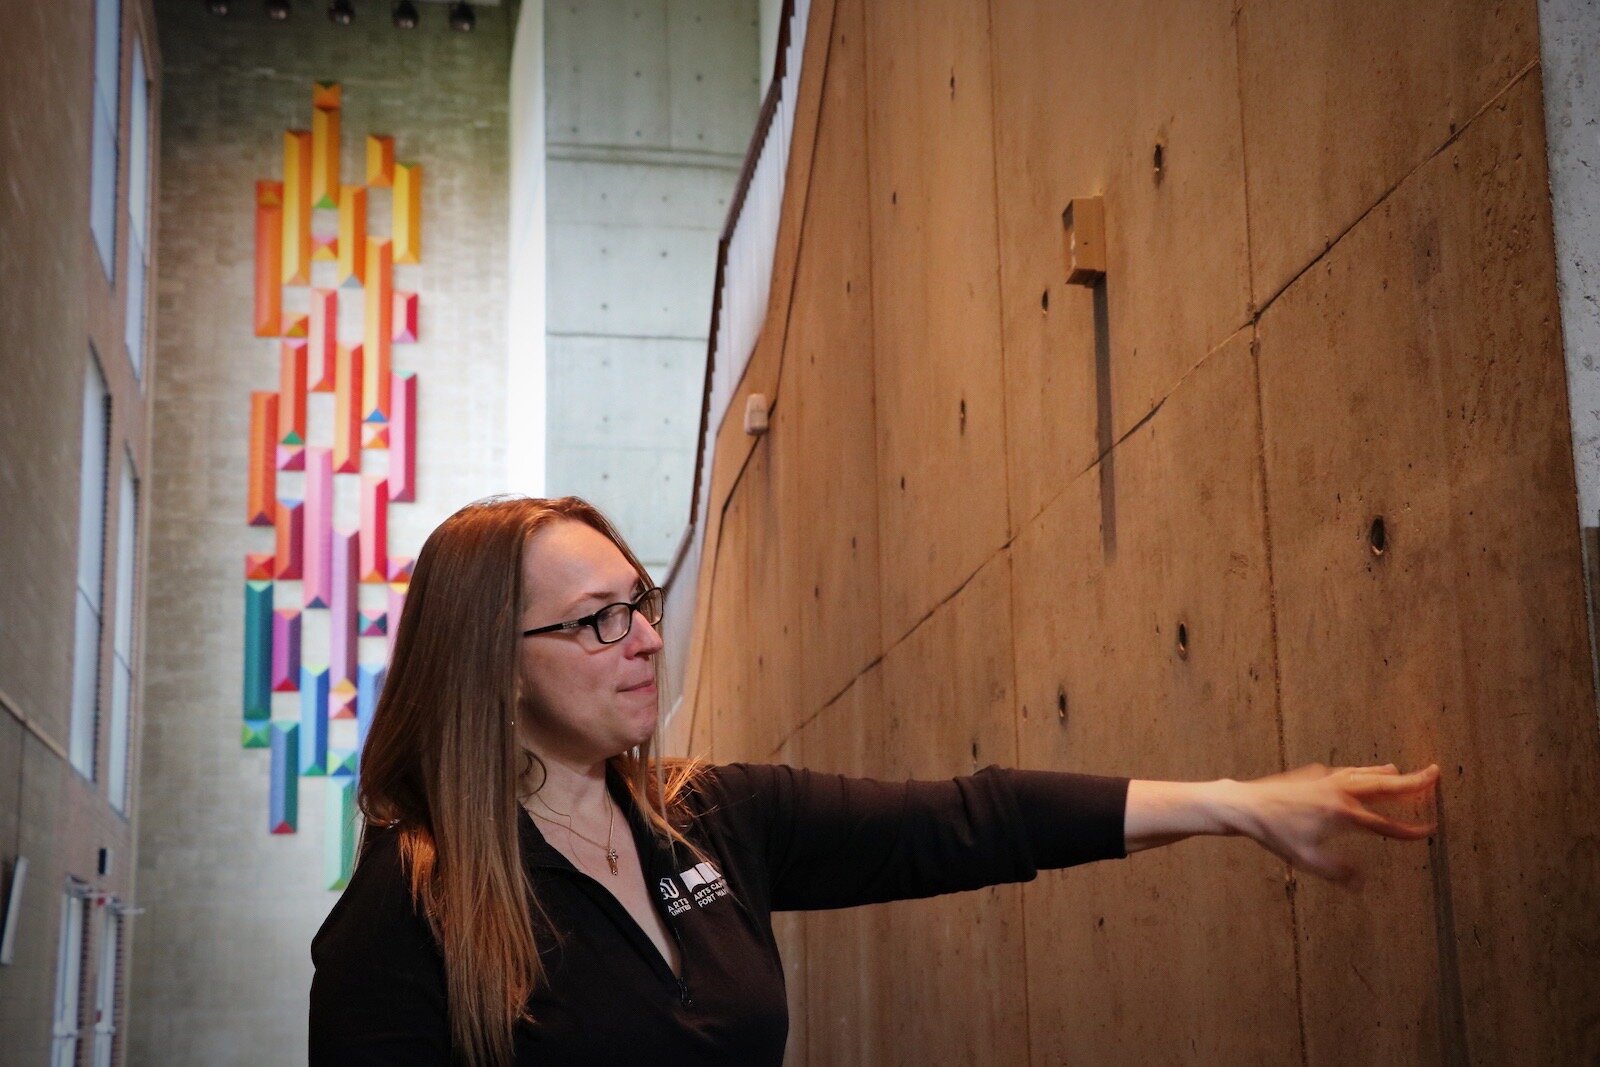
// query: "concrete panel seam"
[[640, 155], [1005, 459], [1244, 162], [1277, 675], [1003, 550], [1135, 428], [582, 335], [1383, 197]]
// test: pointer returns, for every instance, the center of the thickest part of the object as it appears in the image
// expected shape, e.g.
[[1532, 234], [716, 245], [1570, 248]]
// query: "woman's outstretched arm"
[[1293, 814]]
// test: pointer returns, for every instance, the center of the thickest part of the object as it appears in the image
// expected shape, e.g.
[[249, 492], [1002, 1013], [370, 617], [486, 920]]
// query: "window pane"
[[138, 149], [133, 330], [138, 207], [117, 750], [103, 165], [127, 558], [122, 636], [91, 567], [85, 687], [103, 185], [92, 483], [107, 37]]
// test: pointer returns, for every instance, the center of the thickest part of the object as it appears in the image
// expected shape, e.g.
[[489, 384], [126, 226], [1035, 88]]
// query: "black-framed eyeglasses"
[[614, 621]]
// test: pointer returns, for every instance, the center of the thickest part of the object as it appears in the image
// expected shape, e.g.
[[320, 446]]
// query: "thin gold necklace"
[[611, 818]]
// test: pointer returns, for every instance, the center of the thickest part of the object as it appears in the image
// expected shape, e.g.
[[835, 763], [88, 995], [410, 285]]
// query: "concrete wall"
[[1133, 529], [1568, 33], [650, 105], [525, 280], [221, 962], [56, 301]]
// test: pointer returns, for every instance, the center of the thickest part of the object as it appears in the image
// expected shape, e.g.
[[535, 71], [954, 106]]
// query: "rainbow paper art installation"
[[269, 258], [296, 207], [283, 791], [407, 209], [311, 224], [339, 840]]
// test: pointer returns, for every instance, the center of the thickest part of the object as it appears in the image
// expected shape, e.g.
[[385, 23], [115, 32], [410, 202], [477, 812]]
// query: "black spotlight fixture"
[[217, 7], [404, 14], [277, 10], [341, 12], [461, 16]]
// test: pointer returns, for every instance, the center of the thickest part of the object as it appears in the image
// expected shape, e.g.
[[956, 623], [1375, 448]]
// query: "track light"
[[341, 12], [277, 10], [404, 14], [461, 16], [217, 7]]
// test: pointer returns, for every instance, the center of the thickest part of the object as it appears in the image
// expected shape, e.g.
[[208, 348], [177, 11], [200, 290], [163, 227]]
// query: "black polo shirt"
[[775, 838]]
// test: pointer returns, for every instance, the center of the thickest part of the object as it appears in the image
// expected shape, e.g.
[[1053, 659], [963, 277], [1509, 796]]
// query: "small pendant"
[[611, 858]]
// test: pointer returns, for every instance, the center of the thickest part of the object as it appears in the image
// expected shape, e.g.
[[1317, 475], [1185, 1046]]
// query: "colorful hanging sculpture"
[[311, 239]]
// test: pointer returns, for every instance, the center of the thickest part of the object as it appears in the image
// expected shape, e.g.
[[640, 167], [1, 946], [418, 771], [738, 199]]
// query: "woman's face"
[[579, 700]]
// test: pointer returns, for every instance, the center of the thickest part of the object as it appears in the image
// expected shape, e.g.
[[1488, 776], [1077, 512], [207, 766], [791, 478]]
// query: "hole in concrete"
[[1158, 161], [1061, 705], [1044, 301], [1183, 641], [1378, 536]]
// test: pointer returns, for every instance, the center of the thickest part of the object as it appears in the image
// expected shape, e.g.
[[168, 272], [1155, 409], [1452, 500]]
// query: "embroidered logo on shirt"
[[676, 905], [705, 882]]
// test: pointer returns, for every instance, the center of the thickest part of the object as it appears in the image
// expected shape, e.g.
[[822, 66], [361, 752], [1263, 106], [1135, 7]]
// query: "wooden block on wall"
[[1416, 375], [935, 302], [1104, 688], [1086, 95], [1342, 101]]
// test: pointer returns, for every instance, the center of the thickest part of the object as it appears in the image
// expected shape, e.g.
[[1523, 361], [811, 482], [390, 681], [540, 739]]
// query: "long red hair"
[[442, 765]]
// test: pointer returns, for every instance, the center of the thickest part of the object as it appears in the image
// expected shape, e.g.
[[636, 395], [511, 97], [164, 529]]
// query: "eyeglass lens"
[[617, 619]]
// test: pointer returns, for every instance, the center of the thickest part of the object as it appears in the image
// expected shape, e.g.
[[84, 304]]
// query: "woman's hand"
[[1295, 814]]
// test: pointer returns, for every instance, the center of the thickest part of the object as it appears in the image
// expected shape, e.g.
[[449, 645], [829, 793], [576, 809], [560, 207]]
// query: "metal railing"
[[739, 300]]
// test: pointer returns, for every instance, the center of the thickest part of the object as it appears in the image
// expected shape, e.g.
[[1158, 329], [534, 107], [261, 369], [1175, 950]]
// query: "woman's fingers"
[[1380, 824], [1368, 783]]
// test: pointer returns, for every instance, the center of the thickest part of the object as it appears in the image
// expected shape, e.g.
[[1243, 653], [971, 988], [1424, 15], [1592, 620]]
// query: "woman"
[[534, 887]]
